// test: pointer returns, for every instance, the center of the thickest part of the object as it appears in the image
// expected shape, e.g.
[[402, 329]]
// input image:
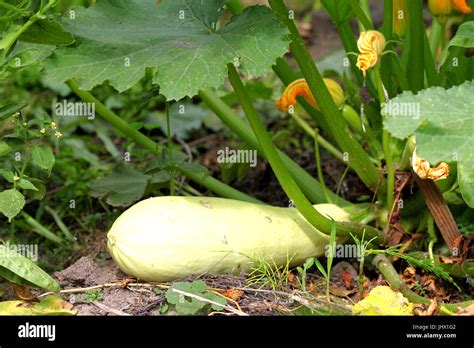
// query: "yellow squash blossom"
[[371, 44], [299, 88], [423, 169]]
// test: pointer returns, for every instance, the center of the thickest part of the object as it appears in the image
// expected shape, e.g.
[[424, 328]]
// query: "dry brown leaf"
[[426, 310], [23, 293], [469, 310]]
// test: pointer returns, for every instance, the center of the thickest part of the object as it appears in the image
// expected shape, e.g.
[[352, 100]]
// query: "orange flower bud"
[[299, 88], [440, 7], [461, 6], [371, 45], [400, 17], [444, 8]]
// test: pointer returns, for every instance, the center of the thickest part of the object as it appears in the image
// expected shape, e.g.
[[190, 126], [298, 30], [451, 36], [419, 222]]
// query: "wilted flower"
[[16, 178], [371, 45], [423, 169], [299, 88], [53, 125], [42, 130]]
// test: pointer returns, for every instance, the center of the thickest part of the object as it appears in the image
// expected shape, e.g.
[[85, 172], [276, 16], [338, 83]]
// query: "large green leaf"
[[122, 187], [47, 32], [21, 270], [11, 203], [466, 183], [443, 123], [184, 118], [180, 39], [464, 38], [456, 66]]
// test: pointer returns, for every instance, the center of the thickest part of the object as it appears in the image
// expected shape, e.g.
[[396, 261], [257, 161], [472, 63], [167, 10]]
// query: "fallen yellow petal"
[[382, 300]]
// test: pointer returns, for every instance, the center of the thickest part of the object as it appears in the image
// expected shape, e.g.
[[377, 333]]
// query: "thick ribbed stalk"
[[358, 158], [386, 144], [170, 145], [142, 140], [364, 21], [415, 69], [287, 182]]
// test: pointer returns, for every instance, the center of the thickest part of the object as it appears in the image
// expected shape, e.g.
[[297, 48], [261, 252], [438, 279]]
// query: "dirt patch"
[[107, 301]]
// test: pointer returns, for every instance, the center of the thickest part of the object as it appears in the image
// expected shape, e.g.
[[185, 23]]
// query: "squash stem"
[[386, 144], [359, 159], [170, 145], [142, 140], [309, 185], [287, 182]]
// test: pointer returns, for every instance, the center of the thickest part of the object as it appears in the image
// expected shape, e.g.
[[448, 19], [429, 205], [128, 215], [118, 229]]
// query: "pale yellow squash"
[[167, 238]]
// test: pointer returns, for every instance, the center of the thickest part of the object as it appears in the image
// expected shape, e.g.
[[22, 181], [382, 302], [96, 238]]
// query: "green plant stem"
[[354, 121], [59, 222], [430, 64], [318, 165], [415, 69], [142, 140], [432, 234], [310, 186], [405, 162], [318, 138], [386, 144], [390, 274], [287, 182], [216, 186], [170, 145], [418, 202], [341, 180], [11, 8], [40, 229], [358, 158], [11, 39], [362, 16], [387, 66], [438, 31]]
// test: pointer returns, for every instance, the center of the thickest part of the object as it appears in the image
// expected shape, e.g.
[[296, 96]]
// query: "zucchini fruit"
[[166, 238]]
